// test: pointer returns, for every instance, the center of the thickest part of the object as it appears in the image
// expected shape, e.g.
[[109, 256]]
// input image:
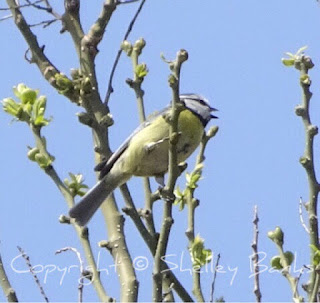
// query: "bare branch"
[[81, 232], [255, 255], [173, 173], [304, 64], [45, 23], [48, 70], [48, 8], [126, 1], [22, 6], [116, 61], [81, 268], [5, 17], [131, 211], [214, 278], [27, 259], [6, 285]]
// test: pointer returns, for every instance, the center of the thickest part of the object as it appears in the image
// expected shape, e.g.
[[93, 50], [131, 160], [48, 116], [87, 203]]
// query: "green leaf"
[[194, 177], [301, 50], [316, 255], [199, 255], [141, 70], [25, 94], [41, 121], [180, 198], [76, 185], [11, 107], [287, 62]]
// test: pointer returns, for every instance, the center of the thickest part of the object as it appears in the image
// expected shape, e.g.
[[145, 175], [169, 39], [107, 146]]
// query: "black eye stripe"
[[201, 101]]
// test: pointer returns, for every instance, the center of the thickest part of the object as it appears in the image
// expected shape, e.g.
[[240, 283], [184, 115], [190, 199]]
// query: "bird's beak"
[[212, 109]]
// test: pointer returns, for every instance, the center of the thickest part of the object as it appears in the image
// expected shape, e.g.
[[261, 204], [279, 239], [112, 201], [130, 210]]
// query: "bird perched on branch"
[[146, 152]]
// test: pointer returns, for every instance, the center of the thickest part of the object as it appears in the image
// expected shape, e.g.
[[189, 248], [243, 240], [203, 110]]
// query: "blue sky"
[[235, 50]]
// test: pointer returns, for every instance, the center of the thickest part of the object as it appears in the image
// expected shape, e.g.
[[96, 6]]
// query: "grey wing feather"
[[105, 166]]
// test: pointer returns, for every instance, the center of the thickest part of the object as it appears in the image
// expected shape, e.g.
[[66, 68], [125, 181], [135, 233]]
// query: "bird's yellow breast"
[[147, 153]]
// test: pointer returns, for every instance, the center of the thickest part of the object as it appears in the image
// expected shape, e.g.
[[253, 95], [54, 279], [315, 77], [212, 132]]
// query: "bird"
[[145, 152]]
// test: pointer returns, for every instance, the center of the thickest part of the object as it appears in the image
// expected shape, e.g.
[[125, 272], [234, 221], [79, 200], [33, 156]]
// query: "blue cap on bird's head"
[[200, 106]]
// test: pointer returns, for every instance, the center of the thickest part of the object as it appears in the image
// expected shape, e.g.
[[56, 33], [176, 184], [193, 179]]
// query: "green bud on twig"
[[276, 262], [64, 85], [43, 160], [212, 131], [305, 79], [76, 185], [25, 94], [126, 46], [316, 255], [32, 153], [300, 110], [289, 257], [139, 45], [276, 235]]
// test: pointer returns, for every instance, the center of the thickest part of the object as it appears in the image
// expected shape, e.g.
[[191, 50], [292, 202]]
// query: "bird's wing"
[[105, 166]]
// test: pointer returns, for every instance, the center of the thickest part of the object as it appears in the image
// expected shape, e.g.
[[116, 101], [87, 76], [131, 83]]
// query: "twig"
[[82, 232], [131, 211], [8, 291], [136, 85], [5, 17], [126, 1], [48, 70], [48, 9], [86, 47], [255, 255], [285, 261], [21, 6], [214, 278], [192, 204], [45, 23], [173, 173], [301, 217], [81, 268], [27, 259], [303, 64], [116, 61]]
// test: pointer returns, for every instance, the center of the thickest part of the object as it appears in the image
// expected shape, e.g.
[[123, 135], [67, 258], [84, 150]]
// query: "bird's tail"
[[84, 210], [89, 204]]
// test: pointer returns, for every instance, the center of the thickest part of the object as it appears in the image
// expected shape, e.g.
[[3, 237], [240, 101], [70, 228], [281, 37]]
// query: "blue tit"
[[145, 152]]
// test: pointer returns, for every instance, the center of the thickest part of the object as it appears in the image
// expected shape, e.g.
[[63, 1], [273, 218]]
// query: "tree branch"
[[81, 268], [303, 64], [116, 61], [82, 232], [8, 291], [27, 259], [214, 278], [48, 70], [173, 174], [255, 255]]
